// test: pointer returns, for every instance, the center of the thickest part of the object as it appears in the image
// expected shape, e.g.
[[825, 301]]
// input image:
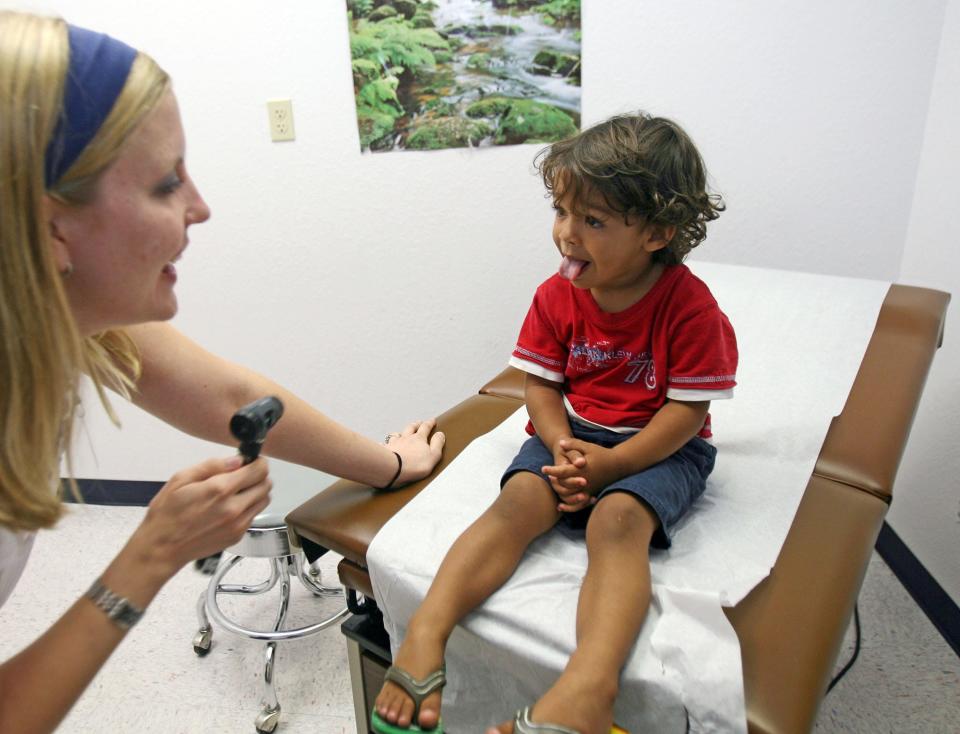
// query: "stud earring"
[[67, 271]]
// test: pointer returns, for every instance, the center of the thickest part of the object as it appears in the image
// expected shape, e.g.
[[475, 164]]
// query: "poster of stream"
[[434, 74]]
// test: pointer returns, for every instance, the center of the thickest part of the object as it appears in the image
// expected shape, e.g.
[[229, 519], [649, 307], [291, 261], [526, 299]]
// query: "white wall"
[[387, 287], [926, 507]]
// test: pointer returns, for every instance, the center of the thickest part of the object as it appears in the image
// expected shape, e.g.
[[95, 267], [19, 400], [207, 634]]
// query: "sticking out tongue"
[[570, 267]]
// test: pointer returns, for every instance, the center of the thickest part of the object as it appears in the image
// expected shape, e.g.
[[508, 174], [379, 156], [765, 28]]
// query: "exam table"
[[791, 625]]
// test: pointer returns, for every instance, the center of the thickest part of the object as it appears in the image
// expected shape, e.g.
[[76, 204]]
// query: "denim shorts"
[[669, 487]]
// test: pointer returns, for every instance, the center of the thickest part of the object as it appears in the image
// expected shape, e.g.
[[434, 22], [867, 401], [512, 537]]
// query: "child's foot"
[[419, 655], [576, 701]]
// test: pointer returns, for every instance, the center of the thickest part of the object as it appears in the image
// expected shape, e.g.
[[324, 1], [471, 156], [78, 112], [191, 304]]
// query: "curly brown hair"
[[642, 166]]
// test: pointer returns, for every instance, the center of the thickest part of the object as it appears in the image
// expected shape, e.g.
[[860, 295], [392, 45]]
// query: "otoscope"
[[250, 424]]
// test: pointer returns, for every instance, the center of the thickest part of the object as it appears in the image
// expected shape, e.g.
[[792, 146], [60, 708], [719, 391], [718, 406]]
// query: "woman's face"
[[123, 245]]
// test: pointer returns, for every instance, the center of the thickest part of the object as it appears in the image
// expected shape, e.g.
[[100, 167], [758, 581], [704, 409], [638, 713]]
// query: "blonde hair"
[[43, 352]]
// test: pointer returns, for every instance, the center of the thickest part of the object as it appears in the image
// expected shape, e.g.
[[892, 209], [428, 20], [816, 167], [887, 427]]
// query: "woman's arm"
[[198, 512], [196, 391]]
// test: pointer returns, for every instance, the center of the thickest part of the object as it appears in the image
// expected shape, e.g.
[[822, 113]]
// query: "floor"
[[907, 679]]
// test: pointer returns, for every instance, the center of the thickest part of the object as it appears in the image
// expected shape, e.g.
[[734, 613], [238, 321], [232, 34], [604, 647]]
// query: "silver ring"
[[389, 436]]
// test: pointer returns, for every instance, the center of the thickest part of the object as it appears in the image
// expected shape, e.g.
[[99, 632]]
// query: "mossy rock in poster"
[[490, 107], [406, 8], [479, 61], [486, 31], [554, 11], [551, 61], [421, 20], [523, 120], [446, 132], [382, 13], [439, 107], [502, 29], [533, 121]]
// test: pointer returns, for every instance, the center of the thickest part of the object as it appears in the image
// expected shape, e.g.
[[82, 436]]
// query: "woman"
[[95, 204]]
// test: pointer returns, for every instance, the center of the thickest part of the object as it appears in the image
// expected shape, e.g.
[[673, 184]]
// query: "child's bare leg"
[[613, 602], [477, 564]]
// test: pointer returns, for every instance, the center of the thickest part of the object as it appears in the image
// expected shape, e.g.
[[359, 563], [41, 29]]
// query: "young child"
[[623, 351]]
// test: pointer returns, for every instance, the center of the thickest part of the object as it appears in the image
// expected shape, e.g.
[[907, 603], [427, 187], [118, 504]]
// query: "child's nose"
[[566, 230]]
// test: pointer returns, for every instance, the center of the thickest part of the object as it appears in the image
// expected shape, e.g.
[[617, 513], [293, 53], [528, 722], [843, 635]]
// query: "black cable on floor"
[[856, 650]]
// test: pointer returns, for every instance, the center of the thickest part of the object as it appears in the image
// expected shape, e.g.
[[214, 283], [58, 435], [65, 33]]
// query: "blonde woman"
[[95, 206]]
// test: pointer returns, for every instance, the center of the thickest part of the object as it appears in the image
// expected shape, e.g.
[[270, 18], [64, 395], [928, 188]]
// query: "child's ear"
[[659, 236]]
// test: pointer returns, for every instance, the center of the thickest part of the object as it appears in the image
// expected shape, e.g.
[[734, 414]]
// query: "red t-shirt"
[[618, 369]]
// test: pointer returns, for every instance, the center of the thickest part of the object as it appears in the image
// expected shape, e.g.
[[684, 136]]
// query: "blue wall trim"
[[926, 592], [113, 492]]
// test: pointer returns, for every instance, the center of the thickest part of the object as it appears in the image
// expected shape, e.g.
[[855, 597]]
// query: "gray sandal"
[[523, 725], [417, 689]]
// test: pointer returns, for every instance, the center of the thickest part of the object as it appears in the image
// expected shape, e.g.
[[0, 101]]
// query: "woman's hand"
[[419, 450], [202, 510]]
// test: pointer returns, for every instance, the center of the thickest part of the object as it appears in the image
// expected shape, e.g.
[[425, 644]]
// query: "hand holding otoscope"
[[249, 426]]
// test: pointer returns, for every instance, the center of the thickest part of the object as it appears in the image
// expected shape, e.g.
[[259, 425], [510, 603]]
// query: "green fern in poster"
[[394, 43], [377, 109]]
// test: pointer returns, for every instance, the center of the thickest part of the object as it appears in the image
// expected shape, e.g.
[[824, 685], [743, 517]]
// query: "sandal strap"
[[523, 725], [417, 689]]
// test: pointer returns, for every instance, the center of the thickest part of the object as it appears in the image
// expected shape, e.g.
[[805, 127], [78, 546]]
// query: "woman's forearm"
[[197, 392]]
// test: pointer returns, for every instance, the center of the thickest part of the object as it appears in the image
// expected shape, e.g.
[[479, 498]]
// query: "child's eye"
[[593, 222], [558, 209]]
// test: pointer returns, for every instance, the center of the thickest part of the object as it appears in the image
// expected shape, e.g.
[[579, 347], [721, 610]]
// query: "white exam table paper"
[[801, 339]]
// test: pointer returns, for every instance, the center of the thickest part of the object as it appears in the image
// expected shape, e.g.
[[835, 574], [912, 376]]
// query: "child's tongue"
[[570, 267]]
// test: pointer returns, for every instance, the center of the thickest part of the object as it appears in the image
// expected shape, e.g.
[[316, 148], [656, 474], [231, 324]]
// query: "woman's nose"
[[198, 211]]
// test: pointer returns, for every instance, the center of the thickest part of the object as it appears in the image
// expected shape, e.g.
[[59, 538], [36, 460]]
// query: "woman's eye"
[[170, 185]]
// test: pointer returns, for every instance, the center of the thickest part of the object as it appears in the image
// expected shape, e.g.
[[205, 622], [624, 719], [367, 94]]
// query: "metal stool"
[[267, 538]]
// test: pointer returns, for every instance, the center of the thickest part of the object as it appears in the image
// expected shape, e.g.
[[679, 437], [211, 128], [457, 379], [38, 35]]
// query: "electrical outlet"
[[280, 115]]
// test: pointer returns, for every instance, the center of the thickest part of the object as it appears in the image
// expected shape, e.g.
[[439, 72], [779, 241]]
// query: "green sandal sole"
[[380, 726]]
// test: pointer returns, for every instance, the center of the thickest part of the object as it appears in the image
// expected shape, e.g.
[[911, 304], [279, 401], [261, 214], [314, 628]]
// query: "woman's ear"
[[54, 213], [659, 236]]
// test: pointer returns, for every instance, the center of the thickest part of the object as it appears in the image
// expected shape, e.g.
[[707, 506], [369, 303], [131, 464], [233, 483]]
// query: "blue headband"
[[98, 69]]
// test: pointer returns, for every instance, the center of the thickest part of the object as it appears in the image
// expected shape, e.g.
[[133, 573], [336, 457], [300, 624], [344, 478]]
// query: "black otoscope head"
[[250, 424]]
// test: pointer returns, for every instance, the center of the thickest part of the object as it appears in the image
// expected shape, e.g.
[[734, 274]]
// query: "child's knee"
[[622, 516], [525, 494]]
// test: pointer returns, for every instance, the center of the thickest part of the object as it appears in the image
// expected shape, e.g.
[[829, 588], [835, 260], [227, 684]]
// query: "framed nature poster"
[[433, 74]]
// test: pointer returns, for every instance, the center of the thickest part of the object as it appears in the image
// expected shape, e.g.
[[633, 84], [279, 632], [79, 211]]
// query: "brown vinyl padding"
[[791, 625], [866, 441]]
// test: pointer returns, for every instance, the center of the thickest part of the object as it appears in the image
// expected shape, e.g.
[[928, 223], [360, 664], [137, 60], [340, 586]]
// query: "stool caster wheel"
[[267, 720], [202, 641]]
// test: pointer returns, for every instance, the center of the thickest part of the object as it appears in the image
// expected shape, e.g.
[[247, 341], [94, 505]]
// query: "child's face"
[[602, 252]]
